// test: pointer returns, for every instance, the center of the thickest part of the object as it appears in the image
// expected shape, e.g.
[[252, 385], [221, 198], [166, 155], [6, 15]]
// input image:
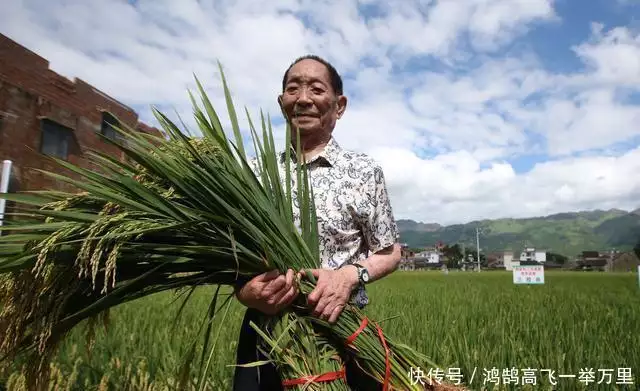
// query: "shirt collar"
[[330, 154]]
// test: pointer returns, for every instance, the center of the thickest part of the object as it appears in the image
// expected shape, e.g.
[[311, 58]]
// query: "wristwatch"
[[363, 273]]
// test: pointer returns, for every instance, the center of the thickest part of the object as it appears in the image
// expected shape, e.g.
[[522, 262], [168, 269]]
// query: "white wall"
[[541, 256], [508, 261], [432, 256]]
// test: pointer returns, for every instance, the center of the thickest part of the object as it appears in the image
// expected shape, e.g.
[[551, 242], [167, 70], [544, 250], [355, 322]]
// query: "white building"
[[433, 256], [507, 260], [529, 254]]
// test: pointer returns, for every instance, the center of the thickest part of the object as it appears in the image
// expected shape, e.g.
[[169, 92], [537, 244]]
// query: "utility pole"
[[464, 257], [478, 246], [4, 187]]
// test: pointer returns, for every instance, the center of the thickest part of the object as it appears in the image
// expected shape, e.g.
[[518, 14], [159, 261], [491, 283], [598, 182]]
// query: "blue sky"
[[474, 109], [553, 42]]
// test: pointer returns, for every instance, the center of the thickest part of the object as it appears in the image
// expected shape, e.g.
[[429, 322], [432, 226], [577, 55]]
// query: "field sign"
[[528, 274]]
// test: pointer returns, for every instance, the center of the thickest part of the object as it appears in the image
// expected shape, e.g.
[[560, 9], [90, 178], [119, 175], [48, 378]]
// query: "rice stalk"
[[176, 213]]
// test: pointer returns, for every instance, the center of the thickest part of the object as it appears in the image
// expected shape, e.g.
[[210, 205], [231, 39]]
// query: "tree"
[[556, 258], [452, 255], [636, 248]]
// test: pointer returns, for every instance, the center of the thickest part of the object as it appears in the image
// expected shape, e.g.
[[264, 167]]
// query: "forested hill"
[[564, 233]]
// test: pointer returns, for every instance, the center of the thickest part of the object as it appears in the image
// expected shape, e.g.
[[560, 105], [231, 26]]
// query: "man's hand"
[[332, 291], [269, 292]]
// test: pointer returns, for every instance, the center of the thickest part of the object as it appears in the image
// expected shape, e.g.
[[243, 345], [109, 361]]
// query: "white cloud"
[[433, 95], [454, 185], [439, 27], [613, 56], [592, 119], [494, 23]]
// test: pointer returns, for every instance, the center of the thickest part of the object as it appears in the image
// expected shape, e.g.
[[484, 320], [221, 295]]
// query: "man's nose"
[[304, 97]]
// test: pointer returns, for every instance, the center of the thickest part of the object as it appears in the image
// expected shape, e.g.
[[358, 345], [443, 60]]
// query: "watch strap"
[[360, 269]]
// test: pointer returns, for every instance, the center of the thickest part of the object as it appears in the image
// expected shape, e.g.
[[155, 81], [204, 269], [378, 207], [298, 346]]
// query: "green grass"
[[462, 320]]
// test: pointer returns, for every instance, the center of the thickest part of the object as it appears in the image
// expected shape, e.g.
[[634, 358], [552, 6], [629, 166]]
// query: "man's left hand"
[[332, 291]]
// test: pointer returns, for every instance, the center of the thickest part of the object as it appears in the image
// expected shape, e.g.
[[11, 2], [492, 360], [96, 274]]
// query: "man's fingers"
[[288, 298], [327, 311], [336, 314], [273, 300], [320, 307], [315, 295], [268, 276], [275, 285], [289, 278], [276, 290]]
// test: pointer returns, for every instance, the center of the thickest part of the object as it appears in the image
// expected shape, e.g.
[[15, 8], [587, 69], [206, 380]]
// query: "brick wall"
[[31, 93]]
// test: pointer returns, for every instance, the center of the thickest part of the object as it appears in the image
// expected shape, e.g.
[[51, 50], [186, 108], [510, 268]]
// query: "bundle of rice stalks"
[[178, 214]]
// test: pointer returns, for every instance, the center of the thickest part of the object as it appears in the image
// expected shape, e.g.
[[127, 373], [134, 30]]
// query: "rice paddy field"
[[578, 331]]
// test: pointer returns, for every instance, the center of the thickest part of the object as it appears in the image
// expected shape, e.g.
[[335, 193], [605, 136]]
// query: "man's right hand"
[[269, 292]]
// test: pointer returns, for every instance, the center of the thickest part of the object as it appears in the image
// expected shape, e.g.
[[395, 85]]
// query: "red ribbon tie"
[[325, 377]]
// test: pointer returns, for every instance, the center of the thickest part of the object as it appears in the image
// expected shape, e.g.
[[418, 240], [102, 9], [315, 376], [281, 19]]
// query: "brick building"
[[45, 114]]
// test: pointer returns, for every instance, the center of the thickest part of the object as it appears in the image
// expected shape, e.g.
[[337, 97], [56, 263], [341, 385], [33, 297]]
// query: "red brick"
[[29, 90]]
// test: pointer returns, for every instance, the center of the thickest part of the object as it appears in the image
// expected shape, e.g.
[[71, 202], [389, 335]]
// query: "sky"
[[475, 109]]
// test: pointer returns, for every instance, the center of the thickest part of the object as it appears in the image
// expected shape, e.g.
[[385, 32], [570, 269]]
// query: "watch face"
[[365, 276]]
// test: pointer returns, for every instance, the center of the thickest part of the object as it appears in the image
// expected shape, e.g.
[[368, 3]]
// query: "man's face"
[[308, 99]]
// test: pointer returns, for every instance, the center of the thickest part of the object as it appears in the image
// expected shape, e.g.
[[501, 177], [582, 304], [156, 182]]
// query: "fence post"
[[4, 187]]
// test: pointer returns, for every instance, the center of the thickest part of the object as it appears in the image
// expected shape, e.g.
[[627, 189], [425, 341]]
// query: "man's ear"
[[284, 114], [342, 105]]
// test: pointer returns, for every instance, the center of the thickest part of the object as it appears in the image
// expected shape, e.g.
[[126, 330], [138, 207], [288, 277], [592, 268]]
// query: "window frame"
[[57, 129], [106, 128]]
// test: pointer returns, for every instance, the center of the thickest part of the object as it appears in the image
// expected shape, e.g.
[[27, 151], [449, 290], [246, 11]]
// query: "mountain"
[[565, 233], [410, 225]]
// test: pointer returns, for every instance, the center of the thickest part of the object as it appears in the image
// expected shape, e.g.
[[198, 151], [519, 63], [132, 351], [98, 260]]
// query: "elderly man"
[[358, 233]]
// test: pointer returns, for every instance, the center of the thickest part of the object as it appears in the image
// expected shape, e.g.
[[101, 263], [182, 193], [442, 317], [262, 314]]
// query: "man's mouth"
[[305, 115]]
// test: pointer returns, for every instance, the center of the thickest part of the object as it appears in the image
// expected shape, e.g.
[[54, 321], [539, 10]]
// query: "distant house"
[[416, 263], [405, 251], [428, 258], [593, 260], [624, 262], [501, 259], [470, 263], [430, 255], [407, 264], [424, 264], [531, 255], [508, 260]]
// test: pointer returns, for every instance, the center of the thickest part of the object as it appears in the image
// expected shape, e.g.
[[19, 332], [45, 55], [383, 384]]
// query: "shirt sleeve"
[[380, 228]]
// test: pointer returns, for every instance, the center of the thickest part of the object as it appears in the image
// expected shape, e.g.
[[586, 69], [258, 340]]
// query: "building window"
[[55, 139], [108, 123]]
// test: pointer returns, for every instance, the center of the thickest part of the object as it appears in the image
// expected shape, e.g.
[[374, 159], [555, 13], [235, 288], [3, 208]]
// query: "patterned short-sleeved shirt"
[[355, 218]]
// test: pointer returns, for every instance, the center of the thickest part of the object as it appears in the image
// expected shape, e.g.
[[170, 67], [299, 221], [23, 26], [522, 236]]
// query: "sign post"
[[528, 274], [4, 187]]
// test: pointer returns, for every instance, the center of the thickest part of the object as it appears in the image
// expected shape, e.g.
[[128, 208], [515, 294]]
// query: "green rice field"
[[577, 330]]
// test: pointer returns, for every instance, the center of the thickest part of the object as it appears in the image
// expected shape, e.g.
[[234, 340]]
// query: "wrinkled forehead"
[[308, 71]]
